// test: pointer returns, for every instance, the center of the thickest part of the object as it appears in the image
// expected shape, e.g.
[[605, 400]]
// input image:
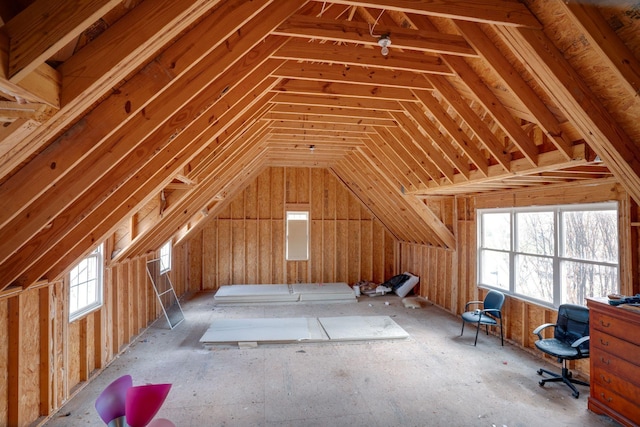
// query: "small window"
[[297, 236], [165, 258], [85, 285]]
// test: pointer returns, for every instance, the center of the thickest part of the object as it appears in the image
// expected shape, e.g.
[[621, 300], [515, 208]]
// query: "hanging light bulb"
[[384, 42]]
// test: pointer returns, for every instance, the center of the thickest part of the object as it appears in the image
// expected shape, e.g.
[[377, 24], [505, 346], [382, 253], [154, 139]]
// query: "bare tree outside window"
[[554, 255]]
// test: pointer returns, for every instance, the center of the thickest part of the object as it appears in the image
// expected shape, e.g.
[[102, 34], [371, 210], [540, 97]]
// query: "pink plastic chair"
[[111, 404], [143, 403]]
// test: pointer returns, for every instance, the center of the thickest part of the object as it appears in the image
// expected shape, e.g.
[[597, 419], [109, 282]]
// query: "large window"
[[165, 257], [553, 255], [297, 236], [85, 285]]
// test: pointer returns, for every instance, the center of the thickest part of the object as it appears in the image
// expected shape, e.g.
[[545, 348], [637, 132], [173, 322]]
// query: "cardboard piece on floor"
[[347, 328]]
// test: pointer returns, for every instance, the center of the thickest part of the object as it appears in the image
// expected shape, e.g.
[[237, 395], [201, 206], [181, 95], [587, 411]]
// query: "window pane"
[[534, 277], [535, 232], [495, 269], [581, 280], [591, 235], [297, 236], [85, 284], [496, 231]]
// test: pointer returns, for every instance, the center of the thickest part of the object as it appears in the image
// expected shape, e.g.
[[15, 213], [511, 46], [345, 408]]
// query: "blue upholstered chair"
[[489, 313]]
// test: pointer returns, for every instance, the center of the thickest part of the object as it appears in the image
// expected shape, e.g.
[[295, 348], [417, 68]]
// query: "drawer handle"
[[606, 362], [606, 399], [606, 325], [605, 379], [604, 343]]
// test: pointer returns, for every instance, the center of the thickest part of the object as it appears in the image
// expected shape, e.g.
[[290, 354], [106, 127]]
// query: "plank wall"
[[244, 243], [448, 278], [45, 359]]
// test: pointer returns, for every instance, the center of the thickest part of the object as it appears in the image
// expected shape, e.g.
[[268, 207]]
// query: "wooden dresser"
[[614, 361]]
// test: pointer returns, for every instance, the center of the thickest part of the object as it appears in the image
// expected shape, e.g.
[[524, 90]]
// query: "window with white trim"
[[297, 246], [165, 258], [553, 254], [85, 285]]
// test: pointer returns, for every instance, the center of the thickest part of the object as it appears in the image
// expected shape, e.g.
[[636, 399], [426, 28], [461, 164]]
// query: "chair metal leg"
[[477, 330], [565, 377], [462, 331], [501, 335]]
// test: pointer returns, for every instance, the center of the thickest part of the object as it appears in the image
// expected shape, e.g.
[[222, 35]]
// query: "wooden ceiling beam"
[[516, 84], [417, 62], [148, 182], [339, 112], [352, 74], [484, 135], [311, 27], [437, 139], [337, 102], [421, 166], [424, 148], [324, 125], [164, 137], [308, 87], [455, 132], [396, 166], [565, 86], [503, 12], [549, 161], [494, 108], [606, 42], [140, 33], [45, 27], [312, 119]]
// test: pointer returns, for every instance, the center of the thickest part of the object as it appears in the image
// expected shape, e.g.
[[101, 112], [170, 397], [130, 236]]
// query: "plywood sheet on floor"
[[297, 329], [287, 329], [348, 328]]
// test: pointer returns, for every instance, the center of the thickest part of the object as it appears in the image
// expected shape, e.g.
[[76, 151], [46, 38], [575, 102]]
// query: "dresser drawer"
[[614, 383], [614, 325], [617, 403], [606, 363], [612, 345]]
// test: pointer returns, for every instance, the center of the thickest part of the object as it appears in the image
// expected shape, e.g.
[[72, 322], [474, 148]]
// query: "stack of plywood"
[[299, 292]]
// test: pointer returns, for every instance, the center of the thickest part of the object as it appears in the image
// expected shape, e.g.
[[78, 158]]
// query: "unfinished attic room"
[[319, 213]]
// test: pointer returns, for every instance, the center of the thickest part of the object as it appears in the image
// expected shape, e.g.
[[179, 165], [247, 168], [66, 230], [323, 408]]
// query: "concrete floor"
[[434, 378]]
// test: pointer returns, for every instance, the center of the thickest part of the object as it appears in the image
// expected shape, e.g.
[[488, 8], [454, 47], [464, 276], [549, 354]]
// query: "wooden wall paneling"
[[378, 253], [329, 186], [46, 338], [265, 251], [208, 241], [329, 250], [130, 286], [342, 248], [238, 258], [224, 258], [277, 193], [366, 250], [390, 259], [278, 258], [15, 335], [83, 366], [29, 353], [316, 256], [73, 357], [355, 253], [124, 319], [251, 248]]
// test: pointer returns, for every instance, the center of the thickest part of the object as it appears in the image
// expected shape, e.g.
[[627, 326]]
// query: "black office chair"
[[489, 314], [570, 342]]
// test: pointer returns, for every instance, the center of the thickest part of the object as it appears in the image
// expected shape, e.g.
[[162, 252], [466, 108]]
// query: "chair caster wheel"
[[539, 371], [541, 383]]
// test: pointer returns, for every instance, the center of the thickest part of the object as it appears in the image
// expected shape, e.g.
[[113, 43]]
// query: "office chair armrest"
[[576, 343], [472, 302], [540, 328]]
